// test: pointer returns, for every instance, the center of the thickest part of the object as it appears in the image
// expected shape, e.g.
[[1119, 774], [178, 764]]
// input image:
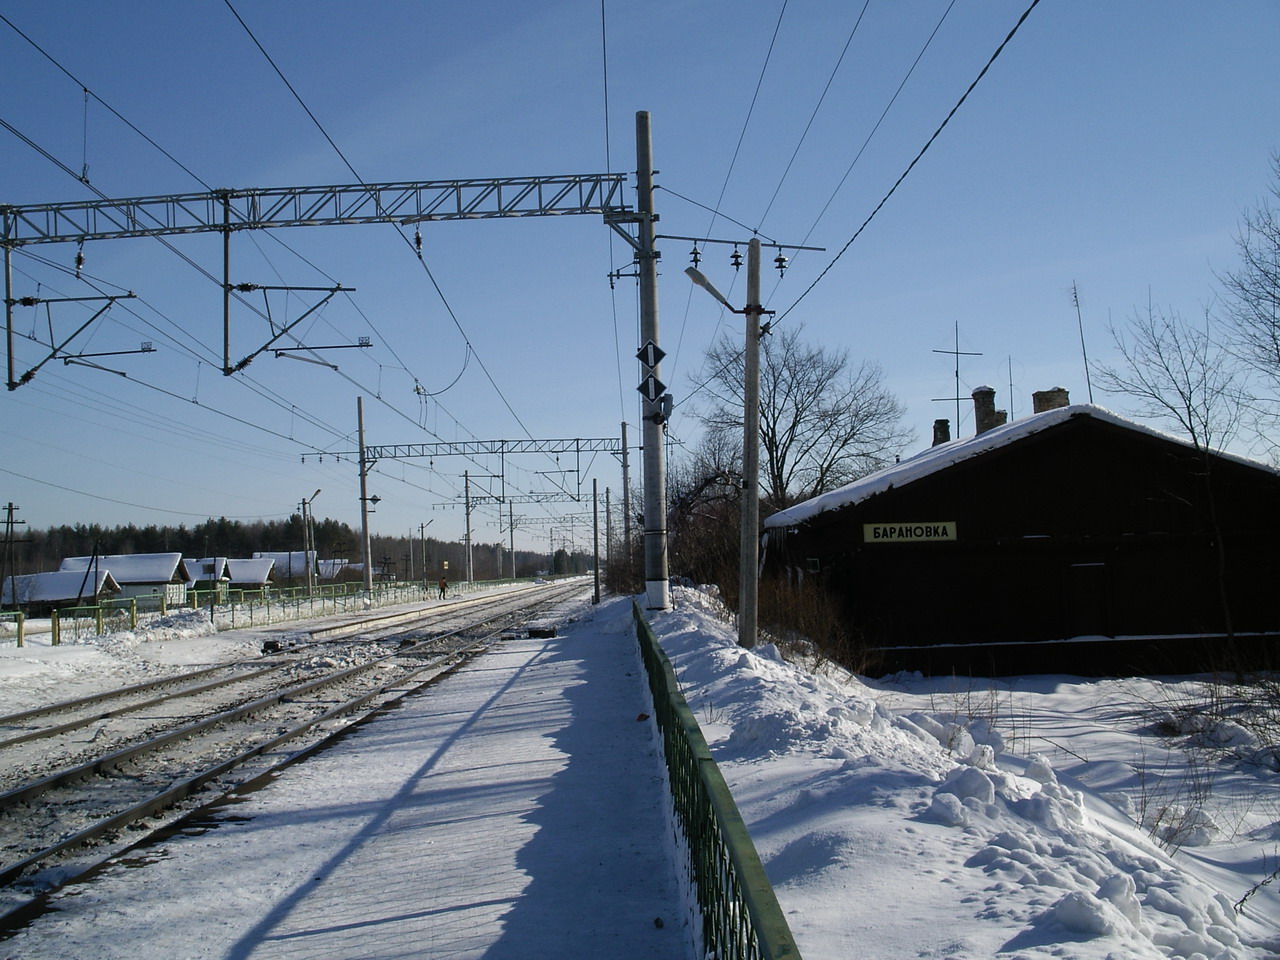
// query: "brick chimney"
[[941, 431], [1051, 399], [985, 414]]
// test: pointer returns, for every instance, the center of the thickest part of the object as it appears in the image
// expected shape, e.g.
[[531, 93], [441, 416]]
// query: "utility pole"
[[595, 520], [466, 481], [364, 504], [626, 500], [7, 560], [511, 533], [749, 559], [657, 587], [422, 533], [749, 553]]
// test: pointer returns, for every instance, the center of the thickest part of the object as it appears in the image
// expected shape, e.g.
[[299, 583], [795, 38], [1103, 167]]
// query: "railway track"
[[83, 780]]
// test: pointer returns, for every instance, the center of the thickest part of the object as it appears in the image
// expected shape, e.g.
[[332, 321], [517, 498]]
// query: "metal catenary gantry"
[[230, 211]]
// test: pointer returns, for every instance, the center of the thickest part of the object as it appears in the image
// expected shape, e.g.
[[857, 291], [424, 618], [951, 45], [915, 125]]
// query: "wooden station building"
[[1071, 541]]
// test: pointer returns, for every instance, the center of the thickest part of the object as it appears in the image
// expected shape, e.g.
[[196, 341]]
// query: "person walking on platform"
[[444, 587]]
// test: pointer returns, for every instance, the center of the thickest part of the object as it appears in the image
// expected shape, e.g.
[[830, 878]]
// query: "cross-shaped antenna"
[[957, 353]]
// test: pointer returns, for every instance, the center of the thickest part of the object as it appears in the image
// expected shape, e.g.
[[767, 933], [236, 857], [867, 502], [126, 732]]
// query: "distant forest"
[[39, 551]]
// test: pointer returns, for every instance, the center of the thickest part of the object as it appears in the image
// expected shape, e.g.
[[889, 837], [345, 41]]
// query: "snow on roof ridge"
[[943, 455]]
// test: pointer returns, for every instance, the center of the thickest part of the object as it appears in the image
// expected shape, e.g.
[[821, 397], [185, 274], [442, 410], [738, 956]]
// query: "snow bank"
[[915, 835]]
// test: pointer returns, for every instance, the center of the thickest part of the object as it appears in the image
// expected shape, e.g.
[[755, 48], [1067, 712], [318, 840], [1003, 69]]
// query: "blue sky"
[[1113, 145]]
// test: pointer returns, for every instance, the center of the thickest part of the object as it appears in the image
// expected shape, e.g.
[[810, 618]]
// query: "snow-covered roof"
[[134, 567], [331, 568], [289, 563], [204, 569], [58, 586], [257, 570], [949, 454]]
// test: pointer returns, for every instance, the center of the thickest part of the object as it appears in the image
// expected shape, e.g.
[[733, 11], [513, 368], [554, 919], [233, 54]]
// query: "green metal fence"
[[741, 919], [12, 626]]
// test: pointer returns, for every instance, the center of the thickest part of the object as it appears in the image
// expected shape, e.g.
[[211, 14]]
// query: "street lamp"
[[749, 557]]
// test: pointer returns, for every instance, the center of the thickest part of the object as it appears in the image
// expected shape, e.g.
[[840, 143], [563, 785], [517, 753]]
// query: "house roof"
[[257, 570], [331, 568], [58, 586], [134, 567], [289, 563], [946, 455], [204, 569]]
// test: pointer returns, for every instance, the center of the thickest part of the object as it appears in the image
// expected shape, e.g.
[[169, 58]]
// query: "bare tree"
[[1251, 305], [822, 424], [1177, 374]]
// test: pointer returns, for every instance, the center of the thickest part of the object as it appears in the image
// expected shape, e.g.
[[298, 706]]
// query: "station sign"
[[908, 532]]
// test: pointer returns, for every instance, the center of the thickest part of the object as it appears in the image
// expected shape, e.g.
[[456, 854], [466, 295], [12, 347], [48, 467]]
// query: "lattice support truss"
[[265, 208]]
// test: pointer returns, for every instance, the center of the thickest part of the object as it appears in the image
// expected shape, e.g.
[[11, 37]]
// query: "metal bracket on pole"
[[248, 287], [55, 350]]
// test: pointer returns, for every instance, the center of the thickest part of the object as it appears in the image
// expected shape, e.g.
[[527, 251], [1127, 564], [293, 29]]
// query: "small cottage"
[[250, 574], [40, 593], [290, 565], [207, 575], [158, 575]]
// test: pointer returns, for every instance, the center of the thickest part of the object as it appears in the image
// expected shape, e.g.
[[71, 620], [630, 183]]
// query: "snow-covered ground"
[[905, 817]]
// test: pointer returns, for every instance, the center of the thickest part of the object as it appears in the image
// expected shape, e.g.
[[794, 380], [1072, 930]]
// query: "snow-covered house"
[[1020, 549], [290, 565], [250, 574], [140, 574], [39, 593], [207, 573], [329, 569]]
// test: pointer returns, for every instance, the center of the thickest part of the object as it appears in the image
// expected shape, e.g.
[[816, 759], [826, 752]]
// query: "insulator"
[[695, 256], [736, 259], [417, 241], [781, 261]]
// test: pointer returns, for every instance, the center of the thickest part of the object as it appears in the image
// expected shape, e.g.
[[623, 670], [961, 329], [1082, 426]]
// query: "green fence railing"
[[232, 609], [741, 919], [13, 624]]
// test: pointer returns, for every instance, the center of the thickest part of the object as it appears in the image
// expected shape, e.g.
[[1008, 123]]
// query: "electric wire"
[[127, 503], [608, 165], [911, 166], [430, 275], [880, 120], [706, 381], [83, 178], [260, 389], [49, 156], [755, 96], [111, 109], [813, 116], [89, 93]]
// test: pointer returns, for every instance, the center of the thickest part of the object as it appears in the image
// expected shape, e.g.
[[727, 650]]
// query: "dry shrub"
[[805, 615]]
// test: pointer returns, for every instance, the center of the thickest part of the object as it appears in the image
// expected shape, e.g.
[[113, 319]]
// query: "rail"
[[741, 919]]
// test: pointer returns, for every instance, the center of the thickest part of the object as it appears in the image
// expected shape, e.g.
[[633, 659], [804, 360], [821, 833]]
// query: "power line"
[[127, 503], [114, 112], [818, 106], [883, 113], [911, 166]]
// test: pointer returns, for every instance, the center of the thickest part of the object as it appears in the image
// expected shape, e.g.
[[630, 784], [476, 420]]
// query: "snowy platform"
[[513, 811]]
